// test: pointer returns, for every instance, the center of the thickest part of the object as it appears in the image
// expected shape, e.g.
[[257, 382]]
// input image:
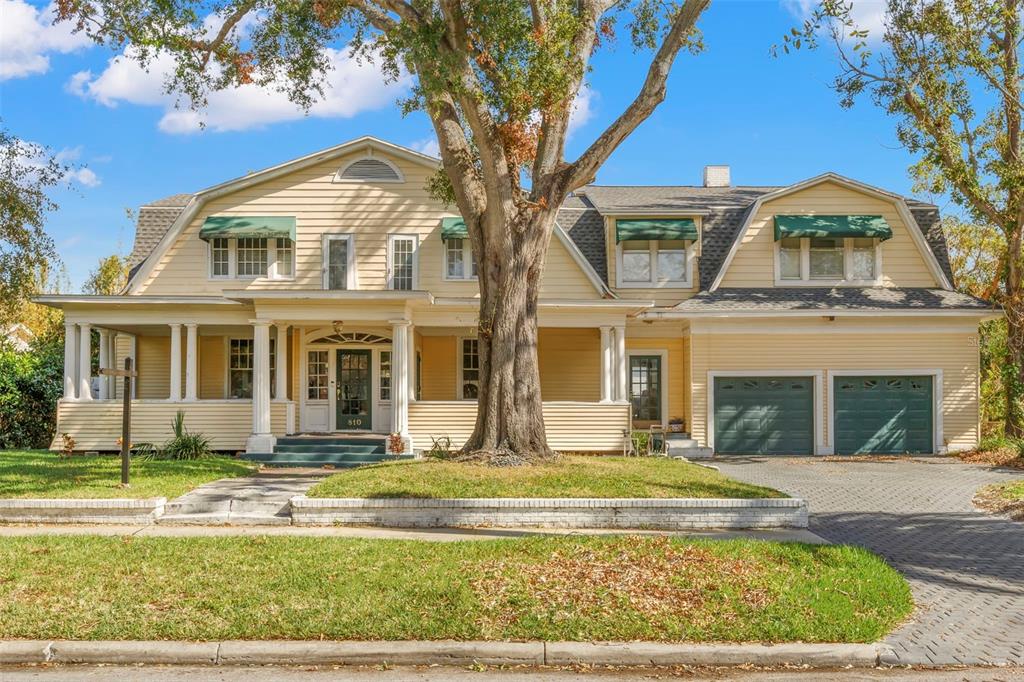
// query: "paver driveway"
[[966, 568]]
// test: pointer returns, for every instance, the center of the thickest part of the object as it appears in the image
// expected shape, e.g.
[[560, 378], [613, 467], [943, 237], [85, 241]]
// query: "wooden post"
[[126, 415], [126, 422]]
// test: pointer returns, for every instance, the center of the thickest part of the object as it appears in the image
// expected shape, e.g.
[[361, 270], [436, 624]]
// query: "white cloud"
[[36, 156], [351, 88], [28, 36], [582, 109], [84, 176], [427, 145], [868, 15]]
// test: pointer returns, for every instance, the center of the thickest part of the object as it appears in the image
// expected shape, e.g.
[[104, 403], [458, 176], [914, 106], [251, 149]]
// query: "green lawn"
[[570, 477], [1013, 491], [39, 473], [1003, 498], [550, 588]]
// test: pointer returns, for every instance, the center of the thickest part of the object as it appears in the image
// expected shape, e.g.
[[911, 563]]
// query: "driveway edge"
[[288, 652]]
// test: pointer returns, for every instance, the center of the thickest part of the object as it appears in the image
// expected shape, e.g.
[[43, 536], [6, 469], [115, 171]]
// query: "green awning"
[[642, 230], [832, 226], [454, 228], [216, 227]]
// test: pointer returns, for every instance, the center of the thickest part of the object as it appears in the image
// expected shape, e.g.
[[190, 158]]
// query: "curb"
[[287, 652]]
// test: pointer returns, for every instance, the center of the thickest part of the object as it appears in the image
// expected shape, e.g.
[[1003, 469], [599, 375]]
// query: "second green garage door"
[[764, 415], [883, 414]]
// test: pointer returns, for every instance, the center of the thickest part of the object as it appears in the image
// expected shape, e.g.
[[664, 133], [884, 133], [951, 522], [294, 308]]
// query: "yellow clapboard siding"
[[369, 212], [570, 364], [956, 354], [581, 427], [96, 425], [212, 367], [438, 375], [754, 263], [154, 367]]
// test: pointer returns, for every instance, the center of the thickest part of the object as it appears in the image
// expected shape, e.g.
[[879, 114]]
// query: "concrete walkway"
[[425, 534], [966, 568], [250, 500]]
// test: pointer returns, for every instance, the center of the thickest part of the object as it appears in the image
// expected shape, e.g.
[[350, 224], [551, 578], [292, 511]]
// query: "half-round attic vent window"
[[369, 170]]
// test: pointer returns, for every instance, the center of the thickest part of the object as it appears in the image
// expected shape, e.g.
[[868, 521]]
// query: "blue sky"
[[774, 120]]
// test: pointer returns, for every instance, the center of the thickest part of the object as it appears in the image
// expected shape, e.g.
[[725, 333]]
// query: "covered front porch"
[[248, 371]]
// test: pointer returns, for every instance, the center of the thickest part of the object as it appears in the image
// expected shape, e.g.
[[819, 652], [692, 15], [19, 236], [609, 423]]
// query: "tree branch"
[[650, 96]]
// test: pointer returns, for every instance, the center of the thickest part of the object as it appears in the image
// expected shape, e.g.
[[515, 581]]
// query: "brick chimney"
[[716, 176]]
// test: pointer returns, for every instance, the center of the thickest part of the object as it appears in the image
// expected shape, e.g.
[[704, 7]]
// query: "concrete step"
[[368, 449], [306, 459], [329, 440], [225, 519]]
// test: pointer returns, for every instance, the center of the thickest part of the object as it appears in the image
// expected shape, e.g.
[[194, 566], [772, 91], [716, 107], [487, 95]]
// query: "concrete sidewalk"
[[426, 534]]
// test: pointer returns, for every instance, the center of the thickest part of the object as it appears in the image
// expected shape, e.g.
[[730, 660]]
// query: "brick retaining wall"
[[142, 511], [666, 514]]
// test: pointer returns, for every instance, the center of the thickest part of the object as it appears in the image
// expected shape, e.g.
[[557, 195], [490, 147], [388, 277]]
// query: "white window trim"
[[351, 281], [415, 238], [805, 267], [353, 181], [227, 365], [467, 250], [459, 366], [938, 437], [662, 381], [691, 259], [379, 361], [233, 262], [820, 448]]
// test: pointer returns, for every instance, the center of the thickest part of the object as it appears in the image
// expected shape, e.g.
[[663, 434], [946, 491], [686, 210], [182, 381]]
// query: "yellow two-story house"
[[331, 294]]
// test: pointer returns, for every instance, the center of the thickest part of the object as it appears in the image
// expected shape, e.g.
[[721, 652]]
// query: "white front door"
[[320, 377]]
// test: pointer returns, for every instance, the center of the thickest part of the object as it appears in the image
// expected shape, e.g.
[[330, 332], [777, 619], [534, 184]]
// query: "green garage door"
[[764, 415], [883, 414]]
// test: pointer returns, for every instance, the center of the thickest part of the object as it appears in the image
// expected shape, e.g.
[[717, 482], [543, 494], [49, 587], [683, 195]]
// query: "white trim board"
[[938, 438], [820, 447], [898, 202]]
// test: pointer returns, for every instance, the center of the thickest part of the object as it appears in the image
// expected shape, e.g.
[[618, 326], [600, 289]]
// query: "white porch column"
[[607, 380], [411, 367], [104, 363], [261, 440], [175, 393], [112, 363], [191, 362], [400, 381], [70, 361], [84, 362], [281, 362], [622, 380]]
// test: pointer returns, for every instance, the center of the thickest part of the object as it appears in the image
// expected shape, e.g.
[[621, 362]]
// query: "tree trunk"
[[509, 427], [1013, 308]]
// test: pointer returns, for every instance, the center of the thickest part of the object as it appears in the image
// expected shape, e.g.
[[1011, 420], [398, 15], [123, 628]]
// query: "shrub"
[[31, 382], [440, 448], [185, 445]]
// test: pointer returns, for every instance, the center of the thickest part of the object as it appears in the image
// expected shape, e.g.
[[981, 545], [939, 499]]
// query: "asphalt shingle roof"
[[585, 226], [779, 299]]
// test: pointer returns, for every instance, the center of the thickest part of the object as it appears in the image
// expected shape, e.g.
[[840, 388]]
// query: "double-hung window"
[[252, 258], [655, 263], [385, 375], [458, 259], [469, 369], [827, 260], [240, 366], [402, 262]]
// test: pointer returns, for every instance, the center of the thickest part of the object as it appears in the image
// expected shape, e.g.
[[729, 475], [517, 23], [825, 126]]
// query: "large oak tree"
[[949, 72], [498, 80]]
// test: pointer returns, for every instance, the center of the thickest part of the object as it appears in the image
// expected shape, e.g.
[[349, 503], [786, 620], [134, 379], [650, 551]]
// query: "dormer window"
[[250, 247], [655, 253], [829, 250]]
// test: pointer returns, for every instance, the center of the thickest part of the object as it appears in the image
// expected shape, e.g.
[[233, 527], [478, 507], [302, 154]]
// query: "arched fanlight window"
[[360, 338]]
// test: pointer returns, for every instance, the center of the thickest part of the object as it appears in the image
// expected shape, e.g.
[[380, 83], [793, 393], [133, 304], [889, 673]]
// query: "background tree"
[[109, 277], [28, 172], [949, 72], [498, 80]]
